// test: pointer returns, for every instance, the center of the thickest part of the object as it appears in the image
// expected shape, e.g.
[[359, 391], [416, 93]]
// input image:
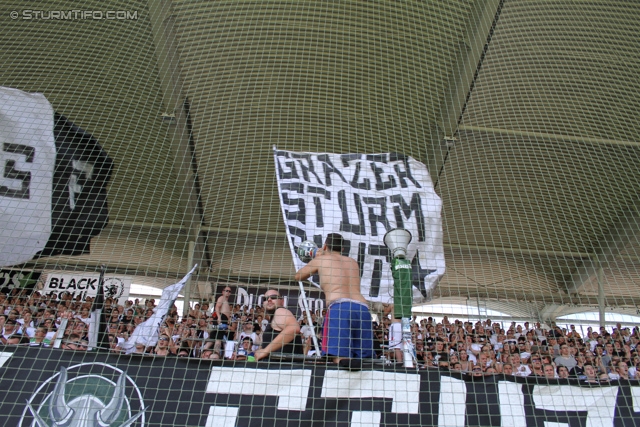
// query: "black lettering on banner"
[[72, 284], [348, 158], [318, 207], [380, 183], [374, 218], [362, 253], [298, 187], [424, 397], [415, 205], [297, 232], [480, 410], [364, 185], [376, 276], [293, 173], [317, 239], [306, 168], [402, 174], [345, 225], [319, 190], [346, 248], [541, 416], [418, 275], [318, 203], [329, 169], [300, 214], [11, 172], [378, 265], [53, 283]]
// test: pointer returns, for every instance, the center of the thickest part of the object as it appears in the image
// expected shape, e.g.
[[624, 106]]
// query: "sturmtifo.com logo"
[[77, 397]]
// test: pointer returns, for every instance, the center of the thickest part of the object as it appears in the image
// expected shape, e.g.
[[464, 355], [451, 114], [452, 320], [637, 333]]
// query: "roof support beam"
[[549, 313], [626, 230], [482, 20], [175, 100], [549, 136], [497, 249], [590, 301]]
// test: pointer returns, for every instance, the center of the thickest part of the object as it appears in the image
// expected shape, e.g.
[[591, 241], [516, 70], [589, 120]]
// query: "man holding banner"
[[348, 328]]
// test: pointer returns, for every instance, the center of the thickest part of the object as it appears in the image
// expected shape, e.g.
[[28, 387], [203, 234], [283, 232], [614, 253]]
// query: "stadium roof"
[[526, 113]]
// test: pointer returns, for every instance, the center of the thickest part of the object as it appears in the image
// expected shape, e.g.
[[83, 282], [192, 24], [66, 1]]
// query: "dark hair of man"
[[334, 242]]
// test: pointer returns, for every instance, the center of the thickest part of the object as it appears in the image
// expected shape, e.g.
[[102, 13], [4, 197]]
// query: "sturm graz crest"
[[113, 288], [76, 397]]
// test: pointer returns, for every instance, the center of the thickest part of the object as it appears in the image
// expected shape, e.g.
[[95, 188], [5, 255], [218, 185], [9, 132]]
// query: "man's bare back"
[[339, 276], [348, 321]]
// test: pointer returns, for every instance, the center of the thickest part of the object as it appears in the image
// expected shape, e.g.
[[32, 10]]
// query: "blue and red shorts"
[[348, 330]]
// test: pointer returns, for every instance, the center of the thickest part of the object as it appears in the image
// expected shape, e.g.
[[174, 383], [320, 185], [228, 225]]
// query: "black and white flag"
[[53, 181], [148, 332], [362, 196]]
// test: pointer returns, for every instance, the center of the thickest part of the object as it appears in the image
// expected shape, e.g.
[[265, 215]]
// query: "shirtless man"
[[282, 334], [348, 330], [223, 314], [223, 308]]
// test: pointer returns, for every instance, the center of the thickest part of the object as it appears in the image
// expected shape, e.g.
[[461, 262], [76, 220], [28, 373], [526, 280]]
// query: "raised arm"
[[289, 328], [308, 270]]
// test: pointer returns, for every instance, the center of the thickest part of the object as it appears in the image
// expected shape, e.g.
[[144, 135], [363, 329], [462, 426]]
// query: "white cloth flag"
[[361, 197], [147, 332], [27, 161]]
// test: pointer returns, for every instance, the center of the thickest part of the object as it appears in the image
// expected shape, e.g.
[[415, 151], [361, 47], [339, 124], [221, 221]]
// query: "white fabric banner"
[[27, 161], [147, 332], [361, 197]]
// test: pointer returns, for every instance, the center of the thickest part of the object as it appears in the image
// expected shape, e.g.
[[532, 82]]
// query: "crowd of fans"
[[485, 347], [479, 348]]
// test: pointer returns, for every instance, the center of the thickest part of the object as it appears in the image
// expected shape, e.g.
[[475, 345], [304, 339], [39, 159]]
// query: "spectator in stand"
[[305, 330], [565, 358], [549, 371], [127, 318], [26, 323], [608, 354], [537, 368], [247, 332], [282, 334], [164, 346], [590, 373], [634, 365], [507, 368], [578, 370], [477, 371], [554, 347], [223, 309], [245, 350], [10, 328], [519, 369], [72, 342], [465, 361], [563, 372], [17, 339], [40, 338], [140, 348]]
